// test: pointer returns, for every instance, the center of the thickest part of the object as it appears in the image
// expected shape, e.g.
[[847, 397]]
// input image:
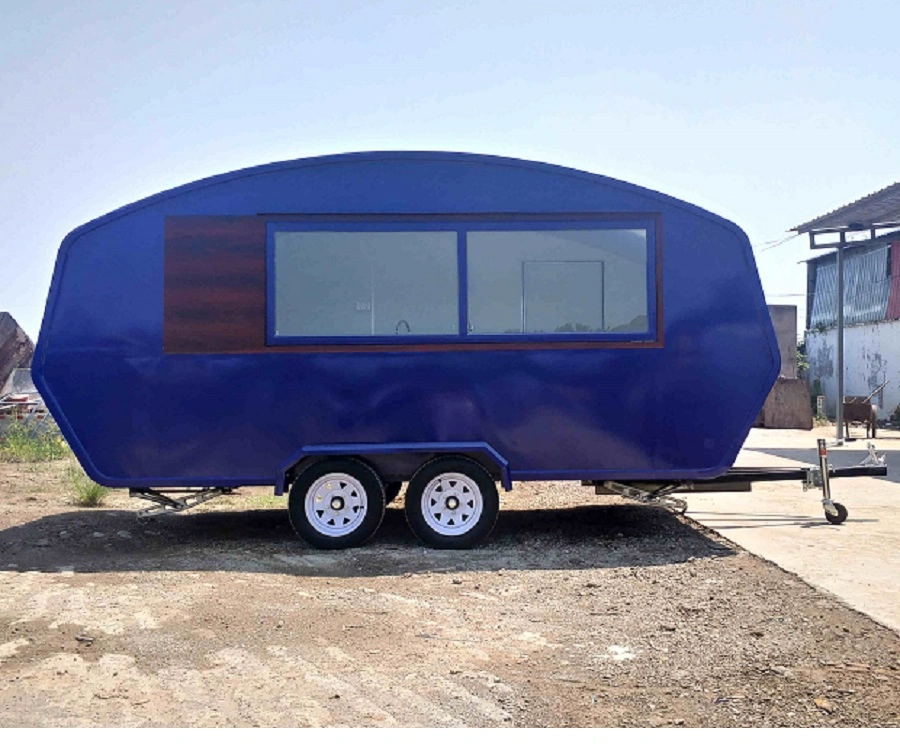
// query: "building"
[[864, 236]]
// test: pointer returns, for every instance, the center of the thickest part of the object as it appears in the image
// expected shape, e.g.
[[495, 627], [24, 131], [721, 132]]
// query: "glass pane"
[[365, 283], [565, 281], [563, 296]]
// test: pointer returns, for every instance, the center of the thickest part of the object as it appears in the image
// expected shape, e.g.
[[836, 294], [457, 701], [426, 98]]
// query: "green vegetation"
[[31, 441], [894, 418], [85, 493], [265, 501], [815, 390]]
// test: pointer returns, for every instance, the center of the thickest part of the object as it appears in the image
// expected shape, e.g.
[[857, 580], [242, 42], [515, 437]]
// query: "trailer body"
[[545, 322]]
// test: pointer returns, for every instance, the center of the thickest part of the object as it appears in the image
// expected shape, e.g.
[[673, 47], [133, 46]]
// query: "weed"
[[265, 501], [31, 441], [86, 493]]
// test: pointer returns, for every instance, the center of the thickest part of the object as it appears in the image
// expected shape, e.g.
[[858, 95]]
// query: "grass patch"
[[265, 501], [85, 492], [31, 441]]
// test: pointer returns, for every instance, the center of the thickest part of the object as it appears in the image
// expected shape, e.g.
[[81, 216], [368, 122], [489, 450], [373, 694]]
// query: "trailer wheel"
[[392, 491], [452, 503], [841, 514], [336, 503]]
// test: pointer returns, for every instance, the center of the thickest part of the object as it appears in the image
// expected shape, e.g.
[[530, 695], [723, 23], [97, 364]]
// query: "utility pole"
[[840, 342]]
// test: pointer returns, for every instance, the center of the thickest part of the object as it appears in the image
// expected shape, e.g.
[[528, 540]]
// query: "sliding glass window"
[[551, 282], [363, 284], [385, 281]]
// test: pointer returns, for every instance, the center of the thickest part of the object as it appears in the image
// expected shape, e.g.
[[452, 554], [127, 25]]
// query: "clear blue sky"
[[768, 113]]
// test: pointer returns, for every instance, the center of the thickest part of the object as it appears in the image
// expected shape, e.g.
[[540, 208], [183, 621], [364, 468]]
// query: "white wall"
[[871, 355]]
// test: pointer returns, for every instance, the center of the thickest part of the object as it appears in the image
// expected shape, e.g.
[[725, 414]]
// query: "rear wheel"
[[452, 503], [336, 503]]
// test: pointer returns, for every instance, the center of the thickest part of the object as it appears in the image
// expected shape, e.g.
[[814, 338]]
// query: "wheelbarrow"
[[859, 410]]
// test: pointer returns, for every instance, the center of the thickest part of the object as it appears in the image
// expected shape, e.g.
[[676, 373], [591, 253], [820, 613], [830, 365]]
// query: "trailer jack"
[[658, 496], [820, 477], [168, 504]]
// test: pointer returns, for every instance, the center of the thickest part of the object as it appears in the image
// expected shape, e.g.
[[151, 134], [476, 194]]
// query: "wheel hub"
[[336, 504], [452, 504]]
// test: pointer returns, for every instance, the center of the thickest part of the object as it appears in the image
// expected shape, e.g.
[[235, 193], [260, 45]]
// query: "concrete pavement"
[[859, 561]]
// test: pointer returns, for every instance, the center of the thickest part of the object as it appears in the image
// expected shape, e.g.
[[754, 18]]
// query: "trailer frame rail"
[[742, 479]]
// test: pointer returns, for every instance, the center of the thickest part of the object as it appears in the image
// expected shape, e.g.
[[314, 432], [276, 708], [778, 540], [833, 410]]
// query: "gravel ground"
[[579, 611]]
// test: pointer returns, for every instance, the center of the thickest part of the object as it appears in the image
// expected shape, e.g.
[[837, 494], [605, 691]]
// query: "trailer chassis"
[[742, 479], [166, 504], [655, 493]]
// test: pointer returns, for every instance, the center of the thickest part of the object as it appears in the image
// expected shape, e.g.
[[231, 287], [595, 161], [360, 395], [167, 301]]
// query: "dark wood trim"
[[214, 292], [660, 330], [458, 217], [214, 295], [433, 347]]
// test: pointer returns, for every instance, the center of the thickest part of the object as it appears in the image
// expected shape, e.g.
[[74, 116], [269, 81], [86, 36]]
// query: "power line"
[[771, 241], [772, 244]]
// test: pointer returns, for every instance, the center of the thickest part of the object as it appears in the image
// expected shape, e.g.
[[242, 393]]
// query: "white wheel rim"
[[336, 504], [452, 504]]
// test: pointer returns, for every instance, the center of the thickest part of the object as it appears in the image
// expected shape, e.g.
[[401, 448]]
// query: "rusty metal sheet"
[[16, 348]]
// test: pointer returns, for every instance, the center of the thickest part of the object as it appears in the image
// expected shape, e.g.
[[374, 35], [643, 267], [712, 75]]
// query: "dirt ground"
[[579, 611]]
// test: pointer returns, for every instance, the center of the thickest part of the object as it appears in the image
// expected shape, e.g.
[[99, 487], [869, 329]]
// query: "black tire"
[[471, 503], [841, 514], [338, 512], [392, 491]]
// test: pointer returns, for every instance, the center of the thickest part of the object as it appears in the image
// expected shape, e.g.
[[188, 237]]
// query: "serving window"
[[471, 280], [557, 282], [365, 283]]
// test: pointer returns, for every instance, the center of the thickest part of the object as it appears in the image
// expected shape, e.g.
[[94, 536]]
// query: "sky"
[[767, 113]]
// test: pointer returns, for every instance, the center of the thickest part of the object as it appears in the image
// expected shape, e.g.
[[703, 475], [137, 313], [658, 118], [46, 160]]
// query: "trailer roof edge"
[[359, 156]]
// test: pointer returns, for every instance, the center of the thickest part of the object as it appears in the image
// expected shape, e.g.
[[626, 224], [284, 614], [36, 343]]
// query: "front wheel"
[[452, 503], [840, 517], [336, 503]]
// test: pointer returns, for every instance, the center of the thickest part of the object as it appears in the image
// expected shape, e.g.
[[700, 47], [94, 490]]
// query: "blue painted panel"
[[137, 417]]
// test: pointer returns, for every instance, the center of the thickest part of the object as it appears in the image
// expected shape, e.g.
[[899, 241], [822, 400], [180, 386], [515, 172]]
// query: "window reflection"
[[566, 281]]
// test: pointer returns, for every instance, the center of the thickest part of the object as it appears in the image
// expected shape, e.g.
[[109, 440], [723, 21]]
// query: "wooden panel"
[[214, 300], [215, 284]]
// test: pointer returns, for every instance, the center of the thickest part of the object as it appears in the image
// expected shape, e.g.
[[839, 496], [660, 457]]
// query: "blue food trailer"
[[335, 326]]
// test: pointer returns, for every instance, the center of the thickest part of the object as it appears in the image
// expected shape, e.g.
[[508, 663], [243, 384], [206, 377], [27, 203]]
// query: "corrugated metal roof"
[[880, 207]]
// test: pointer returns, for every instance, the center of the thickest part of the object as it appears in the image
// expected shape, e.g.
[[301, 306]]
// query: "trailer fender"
[[440, 448]]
